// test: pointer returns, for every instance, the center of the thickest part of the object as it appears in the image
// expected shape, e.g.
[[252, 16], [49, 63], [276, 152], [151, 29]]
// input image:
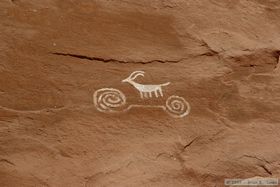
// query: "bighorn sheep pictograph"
[[145, 90], [110, 100]]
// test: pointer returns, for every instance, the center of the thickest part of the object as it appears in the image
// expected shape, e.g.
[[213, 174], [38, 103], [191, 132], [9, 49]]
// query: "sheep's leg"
[[150, 94], [145, 94], [160, 92], [156, 94], [141, 95]]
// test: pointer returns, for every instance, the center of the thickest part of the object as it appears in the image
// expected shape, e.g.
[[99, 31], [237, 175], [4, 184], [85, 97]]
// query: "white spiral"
[[177, 106], [108, 99]]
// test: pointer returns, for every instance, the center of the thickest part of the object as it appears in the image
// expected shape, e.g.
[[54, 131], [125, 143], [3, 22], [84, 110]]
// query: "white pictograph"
[[113, 100], [144, 89], [108, 99], [177, 106]]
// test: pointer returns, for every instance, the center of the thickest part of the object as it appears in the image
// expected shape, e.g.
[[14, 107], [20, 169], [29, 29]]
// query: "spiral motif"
[[177, 106], [108, 99]]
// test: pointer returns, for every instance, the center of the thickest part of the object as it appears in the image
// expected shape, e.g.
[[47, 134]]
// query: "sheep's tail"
[[165, 84]]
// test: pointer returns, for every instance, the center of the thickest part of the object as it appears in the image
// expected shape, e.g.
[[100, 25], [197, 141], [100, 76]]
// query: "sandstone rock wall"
[[222, 56]]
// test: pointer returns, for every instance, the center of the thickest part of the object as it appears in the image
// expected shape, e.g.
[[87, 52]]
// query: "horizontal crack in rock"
[[255, 157], [114, 60], [32, 111], [92, 178], [257, 58], [251, 65], [7, 161]]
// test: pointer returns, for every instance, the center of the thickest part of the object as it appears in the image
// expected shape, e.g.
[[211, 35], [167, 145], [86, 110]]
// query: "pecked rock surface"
[[222, 56]]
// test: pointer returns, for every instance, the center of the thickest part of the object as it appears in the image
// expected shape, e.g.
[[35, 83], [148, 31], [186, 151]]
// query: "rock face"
[[221, 56]]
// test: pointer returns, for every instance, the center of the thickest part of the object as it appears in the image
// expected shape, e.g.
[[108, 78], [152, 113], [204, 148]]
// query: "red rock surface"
[[222, 56]]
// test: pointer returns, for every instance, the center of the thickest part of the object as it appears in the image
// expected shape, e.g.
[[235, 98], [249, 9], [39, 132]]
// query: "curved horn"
[[135, 74]]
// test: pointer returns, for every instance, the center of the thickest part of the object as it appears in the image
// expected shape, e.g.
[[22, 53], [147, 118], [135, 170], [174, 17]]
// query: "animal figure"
[[144, 89]]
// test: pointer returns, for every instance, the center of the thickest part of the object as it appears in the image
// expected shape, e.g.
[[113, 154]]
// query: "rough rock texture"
[[222, 56]]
